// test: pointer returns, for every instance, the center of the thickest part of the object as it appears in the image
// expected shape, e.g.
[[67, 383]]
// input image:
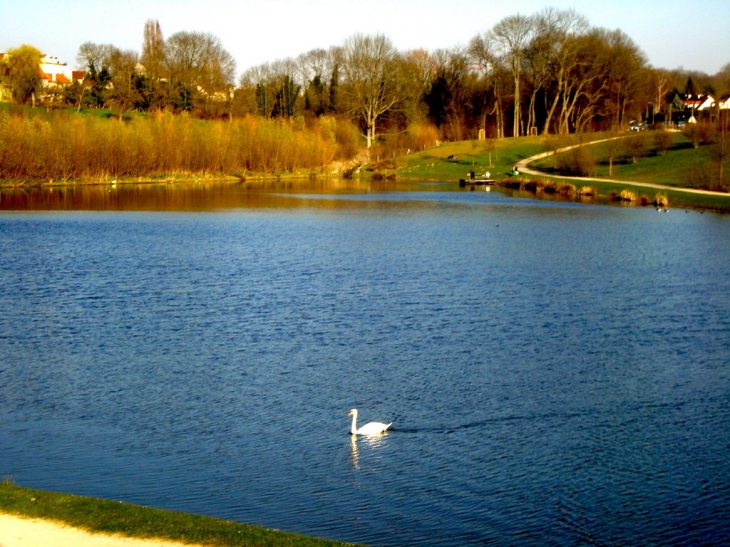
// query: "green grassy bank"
[[114, 517], [680, 167]]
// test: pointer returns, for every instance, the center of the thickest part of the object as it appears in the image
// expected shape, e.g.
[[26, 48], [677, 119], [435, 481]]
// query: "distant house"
[[724, 102], [54, 72], [692, 105], [697, 102]]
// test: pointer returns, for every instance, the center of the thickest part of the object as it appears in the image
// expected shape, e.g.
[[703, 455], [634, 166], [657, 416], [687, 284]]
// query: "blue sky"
[[692, 35]]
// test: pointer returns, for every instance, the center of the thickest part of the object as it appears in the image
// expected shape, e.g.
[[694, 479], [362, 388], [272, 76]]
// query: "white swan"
[[372, 428]]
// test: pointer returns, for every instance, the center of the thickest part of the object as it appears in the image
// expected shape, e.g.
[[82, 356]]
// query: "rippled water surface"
[[557, 374]]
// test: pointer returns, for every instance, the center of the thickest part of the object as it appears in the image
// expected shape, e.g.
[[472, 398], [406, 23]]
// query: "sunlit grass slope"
[[144, 522]]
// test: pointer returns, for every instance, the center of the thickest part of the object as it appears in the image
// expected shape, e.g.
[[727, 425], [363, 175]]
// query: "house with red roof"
[[693, 105], [53, 71], [697, 102]]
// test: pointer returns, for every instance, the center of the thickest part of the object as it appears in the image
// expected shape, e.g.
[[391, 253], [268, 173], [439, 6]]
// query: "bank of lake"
[[135, 521]]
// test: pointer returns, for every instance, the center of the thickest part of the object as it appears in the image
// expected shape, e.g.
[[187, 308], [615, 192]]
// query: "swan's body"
[[372, 428]]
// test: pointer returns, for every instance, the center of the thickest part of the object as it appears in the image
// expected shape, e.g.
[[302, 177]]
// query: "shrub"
[[578, 161], [628, 195], [348, 139], [635, 147], [587, 191], [661, 200], [699, 133], [421, 136], [706, 132], [418, 136], [566, 189], [662, 141]]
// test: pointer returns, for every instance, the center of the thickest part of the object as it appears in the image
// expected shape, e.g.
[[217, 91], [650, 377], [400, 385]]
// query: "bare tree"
[[153, 47], [483, 56], [562, 30], [198, 65], [449, 97], [625, 75], [586, 83], [722, 79], [538, 70], [313, 63], [153, 61], [370, 88], [660, 82], [253, 90], [96, 59], [512, 36], [417, 70], [312, 68], [286, 87], [95, 56], [257, 82], [276, 87], [124, 92]]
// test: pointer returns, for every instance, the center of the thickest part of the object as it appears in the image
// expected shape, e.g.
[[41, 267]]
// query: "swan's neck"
[[354, 423]]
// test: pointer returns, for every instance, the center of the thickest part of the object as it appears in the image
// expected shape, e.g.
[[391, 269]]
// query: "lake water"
[[556, 373]]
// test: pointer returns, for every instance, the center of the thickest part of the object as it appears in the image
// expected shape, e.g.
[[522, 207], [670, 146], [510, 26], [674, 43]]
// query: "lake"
[[556, 373]]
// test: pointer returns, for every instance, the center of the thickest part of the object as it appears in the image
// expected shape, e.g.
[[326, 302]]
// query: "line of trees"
[[549, 73], [546, 73]]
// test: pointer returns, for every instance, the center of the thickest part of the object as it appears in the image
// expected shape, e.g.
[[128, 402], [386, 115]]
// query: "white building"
[[53, 71]]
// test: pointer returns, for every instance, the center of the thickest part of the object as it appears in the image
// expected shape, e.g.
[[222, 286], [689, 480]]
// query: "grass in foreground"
[[143, 522]]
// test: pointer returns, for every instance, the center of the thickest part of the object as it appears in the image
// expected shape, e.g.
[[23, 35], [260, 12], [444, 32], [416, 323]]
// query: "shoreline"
[[5, 185], [21, 531], [30, 518]]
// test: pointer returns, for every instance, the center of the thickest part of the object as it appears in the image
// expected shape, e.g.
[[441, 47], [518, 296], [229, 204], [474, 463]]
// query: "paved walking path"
[[523, 168]]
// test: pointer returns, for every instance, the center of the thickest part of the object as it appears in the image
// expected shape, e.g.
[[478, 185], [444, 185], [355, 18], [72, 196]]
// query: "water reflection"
[[198, 196], [220, 196], [370, 443]]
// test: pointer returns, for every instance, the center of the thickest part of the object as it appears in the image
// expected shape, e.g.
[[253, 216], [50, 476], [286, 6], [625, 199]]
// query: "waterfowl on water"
[[371, 428]]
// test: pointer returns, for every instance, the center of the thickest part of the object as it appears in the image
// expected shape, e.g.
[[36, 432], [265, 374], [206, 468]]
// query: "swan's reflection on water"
[[369, 444]]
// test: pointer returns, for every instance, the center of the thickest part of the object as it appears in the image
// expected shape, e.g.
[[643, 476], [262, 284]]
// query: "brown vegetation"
[[539, 185], [636, 147], [579, 162], [587, 191], [662, 140], [700, 133], [65, 146]]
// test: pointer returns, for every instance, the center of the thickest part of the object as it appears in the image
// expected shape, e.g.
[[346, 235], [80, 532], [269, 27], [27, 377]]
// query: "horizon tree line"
[[546, 73]]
